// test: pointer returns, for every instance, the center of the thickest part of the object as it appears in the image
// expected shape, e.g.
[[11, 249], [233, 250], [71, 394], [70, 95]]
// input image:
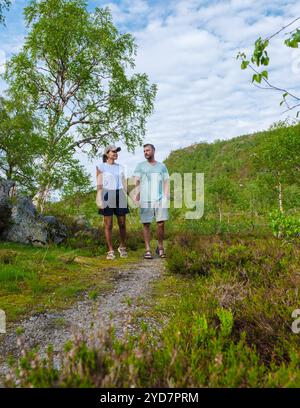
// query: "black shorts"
[[115, 202]]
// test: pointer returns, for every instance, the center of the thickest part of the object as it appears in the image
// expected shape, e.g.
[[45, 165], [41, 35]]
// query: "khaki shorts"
[[157, 212]]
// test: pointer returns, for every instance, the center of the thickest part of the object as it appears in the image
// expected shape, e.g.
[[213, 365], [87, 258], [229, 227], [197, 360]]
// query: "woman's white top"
[[112, 175]]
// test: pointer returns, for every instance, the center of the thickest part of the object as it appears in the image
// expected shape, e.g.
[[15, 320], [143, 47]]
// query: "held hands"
[[136, 199], [132, 200]]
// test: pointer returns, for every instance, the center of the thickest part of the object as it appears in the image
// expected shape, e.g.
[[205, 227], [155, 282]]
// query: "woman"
[[111, 198]]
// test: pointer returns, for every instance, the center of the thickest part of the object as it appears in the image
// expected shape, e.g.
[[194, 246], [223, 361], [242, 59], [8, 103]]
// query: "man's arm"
[[166, 185], [167, 188]]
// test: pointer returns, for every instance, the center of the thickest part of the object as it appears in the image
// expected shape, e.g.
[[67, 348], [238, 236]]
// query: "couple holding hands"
[[150, 194]]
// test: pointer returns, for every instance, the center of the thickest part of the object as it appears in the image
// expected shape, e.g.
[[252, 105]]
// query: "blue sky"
[[188, 48]]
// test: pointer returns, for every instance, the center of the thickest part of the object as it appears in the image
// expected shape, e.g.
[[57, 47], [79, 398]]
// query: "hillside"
[[241, 173], [240, 177]]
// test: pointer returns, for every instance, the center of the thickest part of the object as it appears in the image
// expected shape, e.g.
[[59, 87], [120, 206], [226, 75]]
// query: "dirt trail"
[[116, 306]]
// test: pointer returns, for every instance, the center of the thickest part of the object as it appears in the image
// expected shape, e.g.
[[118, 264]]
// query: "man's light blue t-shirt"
[[151, 178]]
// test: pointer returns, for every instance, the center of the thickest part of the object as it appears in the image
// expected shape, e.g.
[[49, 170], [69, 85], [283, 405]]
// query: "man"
[[152, 187]]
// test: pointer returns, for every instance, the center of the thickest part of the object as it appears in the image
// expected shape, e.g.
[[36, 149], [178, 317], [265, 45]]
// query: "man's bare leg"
[[147, 235], [160, 234]]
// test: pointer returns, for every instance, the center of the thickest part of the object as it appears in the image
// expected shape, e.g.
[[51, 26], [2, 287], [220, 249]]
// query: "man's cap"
[[109, 148]]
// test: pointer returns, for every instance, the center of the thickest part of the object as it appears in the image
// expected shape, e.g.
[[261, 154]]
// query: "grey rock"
[[81, 221], [27, 225], [21, 222], [57, 231], [6, 186]]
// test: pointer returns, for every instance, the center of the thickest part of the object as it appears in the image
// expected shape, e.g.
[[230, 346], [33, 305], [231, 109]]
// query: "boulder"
[[22, 223], [6, 187], [57, 231]]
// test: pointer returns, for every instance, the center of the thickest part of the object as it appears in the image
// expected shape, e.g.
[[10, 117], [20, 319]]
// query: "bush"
[[256, 277], [284, 226], [194, 350]]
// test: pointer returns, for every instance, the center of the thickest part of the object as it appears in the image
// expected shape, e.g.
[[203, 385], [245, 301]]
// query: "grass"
[[255, 278], [38, 279], [219, 317]]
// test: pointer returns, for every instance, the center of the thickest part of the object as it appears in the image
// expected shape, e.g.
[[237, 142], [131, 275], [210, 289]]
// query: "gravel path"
[[56, 328]]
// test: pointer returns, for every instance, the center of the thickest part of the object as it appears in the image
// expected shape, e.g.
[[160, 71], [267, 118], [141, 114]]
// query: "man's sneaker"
[[122, 251], [111, 255]]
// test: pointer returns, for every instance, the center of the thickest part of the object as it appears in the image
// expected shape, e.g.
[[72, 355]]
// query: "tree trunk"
[[9, 173], [220, 219], [40, 197], [44, 187], [280, 197]]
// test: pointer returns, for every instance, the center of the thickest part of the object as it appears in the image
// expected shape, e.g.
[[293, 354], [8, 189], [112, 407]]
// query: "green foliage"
[[181, 360], [260, 55], [223, 191], [75, 72], [226, 320], [38, 279], [260, 58], [20, 145], [242, 177], [284, 226], [255, 278], [221, 333], [193, 254], [293, 41], [277, 157], [4, 5]]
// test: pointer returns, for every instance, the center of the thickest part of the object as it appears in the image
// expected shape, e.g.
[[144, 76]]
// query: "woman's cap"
[[111, 148]]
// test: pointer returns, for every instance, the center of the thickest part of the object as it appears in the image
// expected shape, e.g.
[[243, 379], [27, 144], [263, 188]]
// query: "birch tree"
[[76, 70]]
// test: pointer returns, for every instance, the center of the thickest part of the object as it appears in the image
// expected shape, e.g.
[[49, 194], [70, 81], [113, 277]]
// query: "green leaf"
[[245, 64], [257, 78], [291, 43], [264, 74]]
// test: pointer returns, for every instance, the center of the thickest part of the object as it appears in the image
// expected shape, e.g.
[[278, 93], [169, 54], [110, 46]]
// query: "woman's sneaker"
[[111, 255], [122, 251]]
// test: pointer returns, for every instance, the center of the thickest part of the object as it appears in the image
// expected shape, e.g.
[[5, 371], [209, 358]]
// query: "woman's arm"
[[99, 178]]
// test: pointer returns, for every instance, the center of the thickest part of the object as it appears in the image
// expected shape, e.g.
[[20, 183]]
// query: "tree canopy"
[[76, 72], [20, 145], [4, 5]]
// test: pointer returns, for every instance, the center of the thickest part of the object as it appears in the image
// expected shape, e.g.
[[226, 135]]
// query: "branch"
[[86, 140], [276, 88], [282, 29]]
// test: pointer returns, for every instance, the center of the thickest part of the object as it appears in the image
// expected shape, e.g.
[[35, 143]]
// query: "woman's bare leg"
[[108, 225], [122, 229]]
